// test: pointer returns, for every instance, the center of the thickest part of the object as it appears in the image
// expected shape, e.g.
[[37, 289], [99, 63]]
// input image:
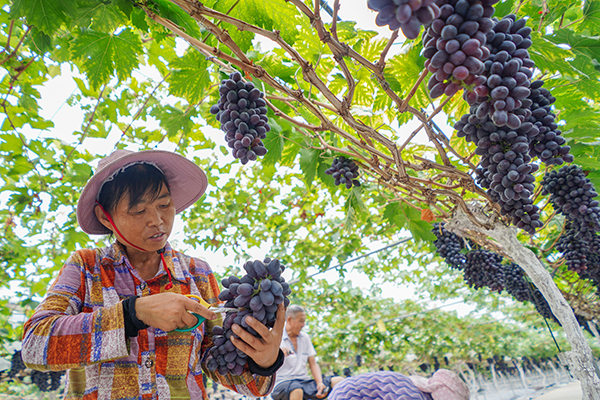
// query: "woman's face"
[[147, 224]]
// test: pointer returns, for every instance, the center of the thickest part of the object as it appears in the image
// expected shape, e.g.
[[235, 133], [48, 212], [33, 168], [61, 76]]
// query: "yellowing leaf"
[[381, 326]]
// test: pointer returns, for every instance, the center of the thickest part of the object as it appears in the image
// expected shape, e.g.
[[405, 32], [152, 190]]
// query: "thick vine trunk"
[[580, 357]]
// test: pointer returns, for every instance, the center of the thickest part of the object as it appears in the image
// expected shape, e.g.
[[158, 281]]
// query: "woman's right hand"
[[168, 311]]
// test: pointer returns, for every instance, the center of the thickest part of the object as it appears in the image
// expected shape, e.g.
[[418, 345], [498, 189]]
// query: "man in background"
[[293, 381]]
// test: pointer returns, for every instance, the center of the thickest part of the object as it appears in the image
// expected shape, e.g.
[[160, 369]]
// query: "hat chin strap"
[[161, 251]]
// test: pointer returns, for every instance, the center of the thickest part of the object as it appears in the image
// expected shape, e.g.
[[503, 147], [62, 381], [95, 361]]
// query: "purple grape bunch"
[[505, 168], [574, 244], [449, 246], [573, 195], [407, 15], [256, 294], [344, 171], [515, 283], [242, 112], [508, 70], [484, 268], [454, 45], [546, 140]]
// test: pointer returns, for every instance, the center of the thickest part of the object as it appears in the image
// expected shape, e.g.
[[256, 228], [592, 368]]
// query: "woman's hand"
[[167, 311], [265, 349]]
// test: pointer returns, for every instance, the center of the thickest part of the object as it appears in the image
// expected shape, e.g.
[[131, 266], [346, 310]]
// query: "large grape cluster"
[[505, 167], [449, 246], [344, 171], [546, 141], [242, 112], [407, 15], [574, 245], [256, 294], [515, 283], [484, 268], [572, 195], [454, 45], [508, 70]]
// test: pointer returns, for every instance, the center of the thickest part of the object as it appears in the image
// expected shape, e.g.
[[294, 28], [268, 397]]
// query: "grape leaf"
[[591, 17], [190, 76], [309, 161], [105, 55], [47, 15], [579, 44]]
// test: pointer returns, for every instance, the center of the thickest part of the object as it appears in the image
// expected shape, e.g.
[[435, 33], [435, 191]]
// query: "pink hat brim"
[[187, 183]]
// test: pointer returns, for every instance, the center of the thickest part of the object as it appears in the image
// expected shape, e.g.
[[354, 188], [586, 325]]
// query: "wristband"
[[132, 324], [258, 370]]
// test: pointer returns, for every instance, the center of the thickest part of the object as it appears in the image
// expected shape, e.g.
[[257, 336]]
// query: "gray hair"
[[293, 311]]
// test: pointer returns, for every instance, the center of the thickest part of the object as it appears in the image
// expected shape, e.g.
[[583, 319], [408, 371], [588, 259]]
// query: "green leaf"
[[421, 230], [579, 44], [395, 85], [505, 7], [173, 12], [40, 41], [47, 15], [394, 213], [309, 161], [274, 142], [189, 76], [591, 17], [98, 15], [105, 55]]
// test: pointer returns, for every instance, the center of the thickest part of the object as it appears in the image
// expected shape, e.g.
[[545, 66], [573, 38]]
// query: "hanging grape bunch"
[[572, 195], [484, 268], [256, 294], [547, 142], [449, 246], [344, 171], [505, 168], [242, 112], [407, 15], [574, 244], [454, 45], [508, 70], [515, 283]]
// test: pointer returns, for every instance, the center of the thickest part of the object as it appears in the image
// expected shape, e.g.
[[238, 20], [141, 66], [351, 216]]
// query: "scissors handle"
[[201, 319]]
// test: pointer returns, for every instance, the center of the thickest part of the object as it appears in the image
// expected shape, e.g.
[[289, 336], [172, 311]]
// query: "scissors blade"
[[223, 309]]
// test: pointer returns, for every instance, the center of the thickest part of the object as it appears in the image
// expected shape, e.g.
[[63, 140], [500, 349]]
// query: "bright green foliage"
[[135, 80]]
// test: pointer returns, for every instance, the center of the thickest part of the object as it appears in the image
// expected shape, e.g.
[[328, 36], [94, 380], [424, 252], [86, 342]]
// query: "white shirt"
[[294, 365]]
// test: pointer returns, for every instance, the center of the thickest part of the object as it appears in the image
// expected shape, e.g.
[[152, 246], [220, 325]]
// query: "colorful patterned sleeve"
[[60, 336], [246, 384]]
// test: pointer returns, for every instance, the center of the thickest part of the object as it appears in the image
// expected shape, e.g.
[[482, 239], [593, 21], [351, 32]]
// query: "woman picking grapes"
[[110, 317]]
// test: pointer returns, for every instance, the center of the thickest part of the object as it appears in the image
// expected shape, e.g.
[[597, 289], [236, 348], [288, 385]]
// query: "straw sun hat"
[[187, 182]]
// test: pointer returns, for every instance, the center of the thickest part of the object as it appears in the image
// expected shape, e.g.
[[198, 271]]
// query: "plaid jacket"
[[79, 327]]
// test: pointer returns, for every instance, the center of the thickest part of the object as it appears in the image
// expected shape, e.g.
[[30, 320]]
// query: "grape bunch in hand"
[[256, 294]]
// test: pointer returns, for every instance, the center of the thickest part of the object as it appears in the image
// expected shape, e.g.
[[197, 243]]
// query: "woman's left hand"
[[265, 349]]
